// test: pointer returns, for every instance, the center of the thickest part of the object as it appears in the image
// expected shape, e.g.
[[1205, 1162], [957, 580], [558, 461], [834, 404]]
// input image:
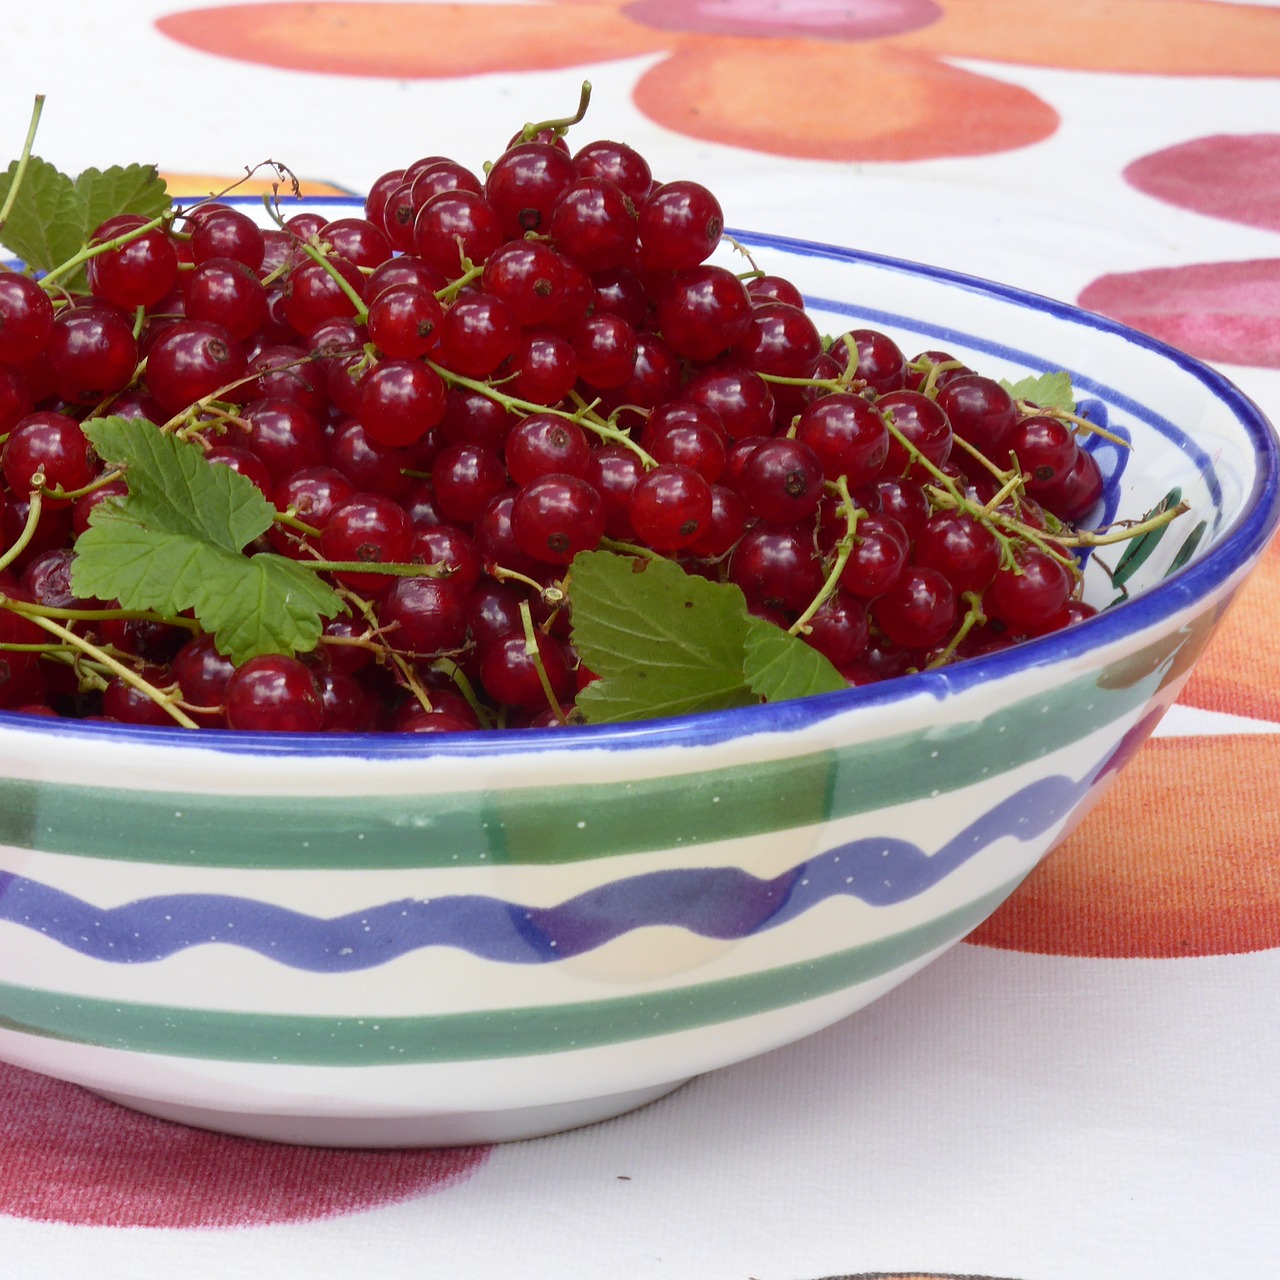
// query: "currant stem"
[[974, 617], [30, 610], [21, 542], [535, 655], [127, 674], [561, 125], [24, 159], [844, 548]]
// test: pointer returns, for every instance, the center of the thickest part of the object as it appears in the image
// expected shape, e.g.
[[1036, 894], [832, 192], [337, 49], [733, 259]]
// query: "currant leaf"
[[44, 227], [780, 666], [663, 642], [175, 542], [134, 188], [1048, 390]]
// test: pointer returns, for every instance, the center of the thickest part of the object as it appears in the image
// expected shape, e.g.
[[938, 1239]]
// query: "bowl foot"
[[443, 1129]]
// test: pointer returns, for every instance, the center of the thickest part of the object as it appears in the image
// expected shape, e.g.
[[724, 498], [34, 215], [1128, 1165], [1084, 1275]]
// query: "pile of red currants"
[[485, 375]]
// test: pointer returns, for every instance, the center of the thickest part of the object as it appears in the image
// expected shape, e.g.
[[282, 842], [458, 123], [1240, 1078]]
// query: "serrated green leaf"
[[172, 484], [45, 226], [175, 542], [133, 188], [780, 666], [1048, 390], [662, 641]]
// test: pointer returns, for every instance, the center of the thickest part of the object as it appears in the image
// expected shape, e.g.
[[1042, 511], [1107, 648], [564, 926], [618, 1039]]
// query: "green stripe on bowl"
[[296, 1040], [567, 823]]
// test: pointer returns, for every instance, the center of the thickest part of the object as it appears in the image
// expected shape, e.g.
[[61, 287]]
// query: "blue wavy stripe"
[[714, 902]]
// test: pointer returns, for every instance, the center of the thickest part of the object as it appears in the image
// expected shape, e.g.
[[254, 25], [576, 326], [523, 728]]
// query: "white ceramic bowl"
[[448, 939]]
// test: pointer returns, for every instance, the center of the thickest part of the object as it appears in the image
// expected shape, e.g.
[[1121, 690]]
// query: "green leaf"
[[175, 542], [662, 641], [1048, 390], [53, 215], [134, 188], [780, 666], [45, 226]]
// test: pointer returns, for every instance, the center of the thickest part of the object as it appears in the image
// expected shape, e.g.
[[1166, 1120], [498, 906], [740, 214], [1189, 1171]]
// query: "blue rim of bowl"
[[1244, 540]]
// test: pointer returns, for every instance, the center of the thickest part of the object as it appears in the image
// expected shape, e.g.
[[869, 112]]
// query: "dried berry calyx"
[[507, 450]]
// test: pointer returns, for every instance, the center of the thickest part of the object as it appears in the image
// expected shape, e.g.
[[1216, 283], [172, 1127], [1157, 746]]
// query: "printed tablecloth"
[[1089, 1087]]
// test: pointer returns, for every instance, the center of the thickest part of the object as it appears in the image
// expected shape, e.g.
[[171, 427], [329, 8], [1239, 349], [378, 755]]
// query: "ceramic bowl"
[[397, 939]]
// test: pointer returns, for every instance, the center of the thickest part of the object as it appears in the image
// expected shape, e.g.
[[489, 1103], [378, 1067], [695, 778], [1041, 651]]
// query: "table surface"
[[1088, 1087]]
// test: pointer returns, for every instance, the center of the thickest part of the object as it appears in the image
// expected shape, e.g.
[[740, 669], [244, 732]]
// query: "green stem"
[[562, 124], [531, 648], [394, 569], [31, 610], [585, 418], [844, 548], [118, 668], [24, 159], [29, 529]]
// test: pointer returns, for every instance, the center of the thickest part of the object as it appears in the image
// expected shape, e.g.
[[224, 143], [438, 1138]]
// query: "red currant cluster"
[[488, 374]]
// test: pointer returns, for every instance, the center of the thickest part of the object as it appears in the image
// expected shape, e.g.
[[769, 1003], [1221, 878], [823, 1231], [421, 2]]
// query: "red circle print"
[[72, 1157]]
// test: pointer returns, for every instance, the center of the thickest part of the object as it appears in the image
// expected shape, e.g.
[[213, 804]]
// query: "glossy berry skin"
[[466, 479], [555, 517], [679, 225], [49, 444], [312, 493], [877, 557], [453, 226], [848, 434], [192, 360], [594, 222], [618, 162], [839, 629], [371, 529], [878, 361], [529, 277], [918, 611], [225, 292], [670, 506], [782, 481], [777, 567], [605, 348], [284, 435], [544, 444], [91, 353], [424, 616], [543, 368], [137, 274], [274, 692], [980, 411], [1026, 595], [313, 295], [400, 401], [924, 425], [227, 233], [781, 340], [356, 240], [510, 675], [704, 311], [1076, 493], [26, 318], [960, 548], [524, 184], [477, 334], [1045, 449]]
